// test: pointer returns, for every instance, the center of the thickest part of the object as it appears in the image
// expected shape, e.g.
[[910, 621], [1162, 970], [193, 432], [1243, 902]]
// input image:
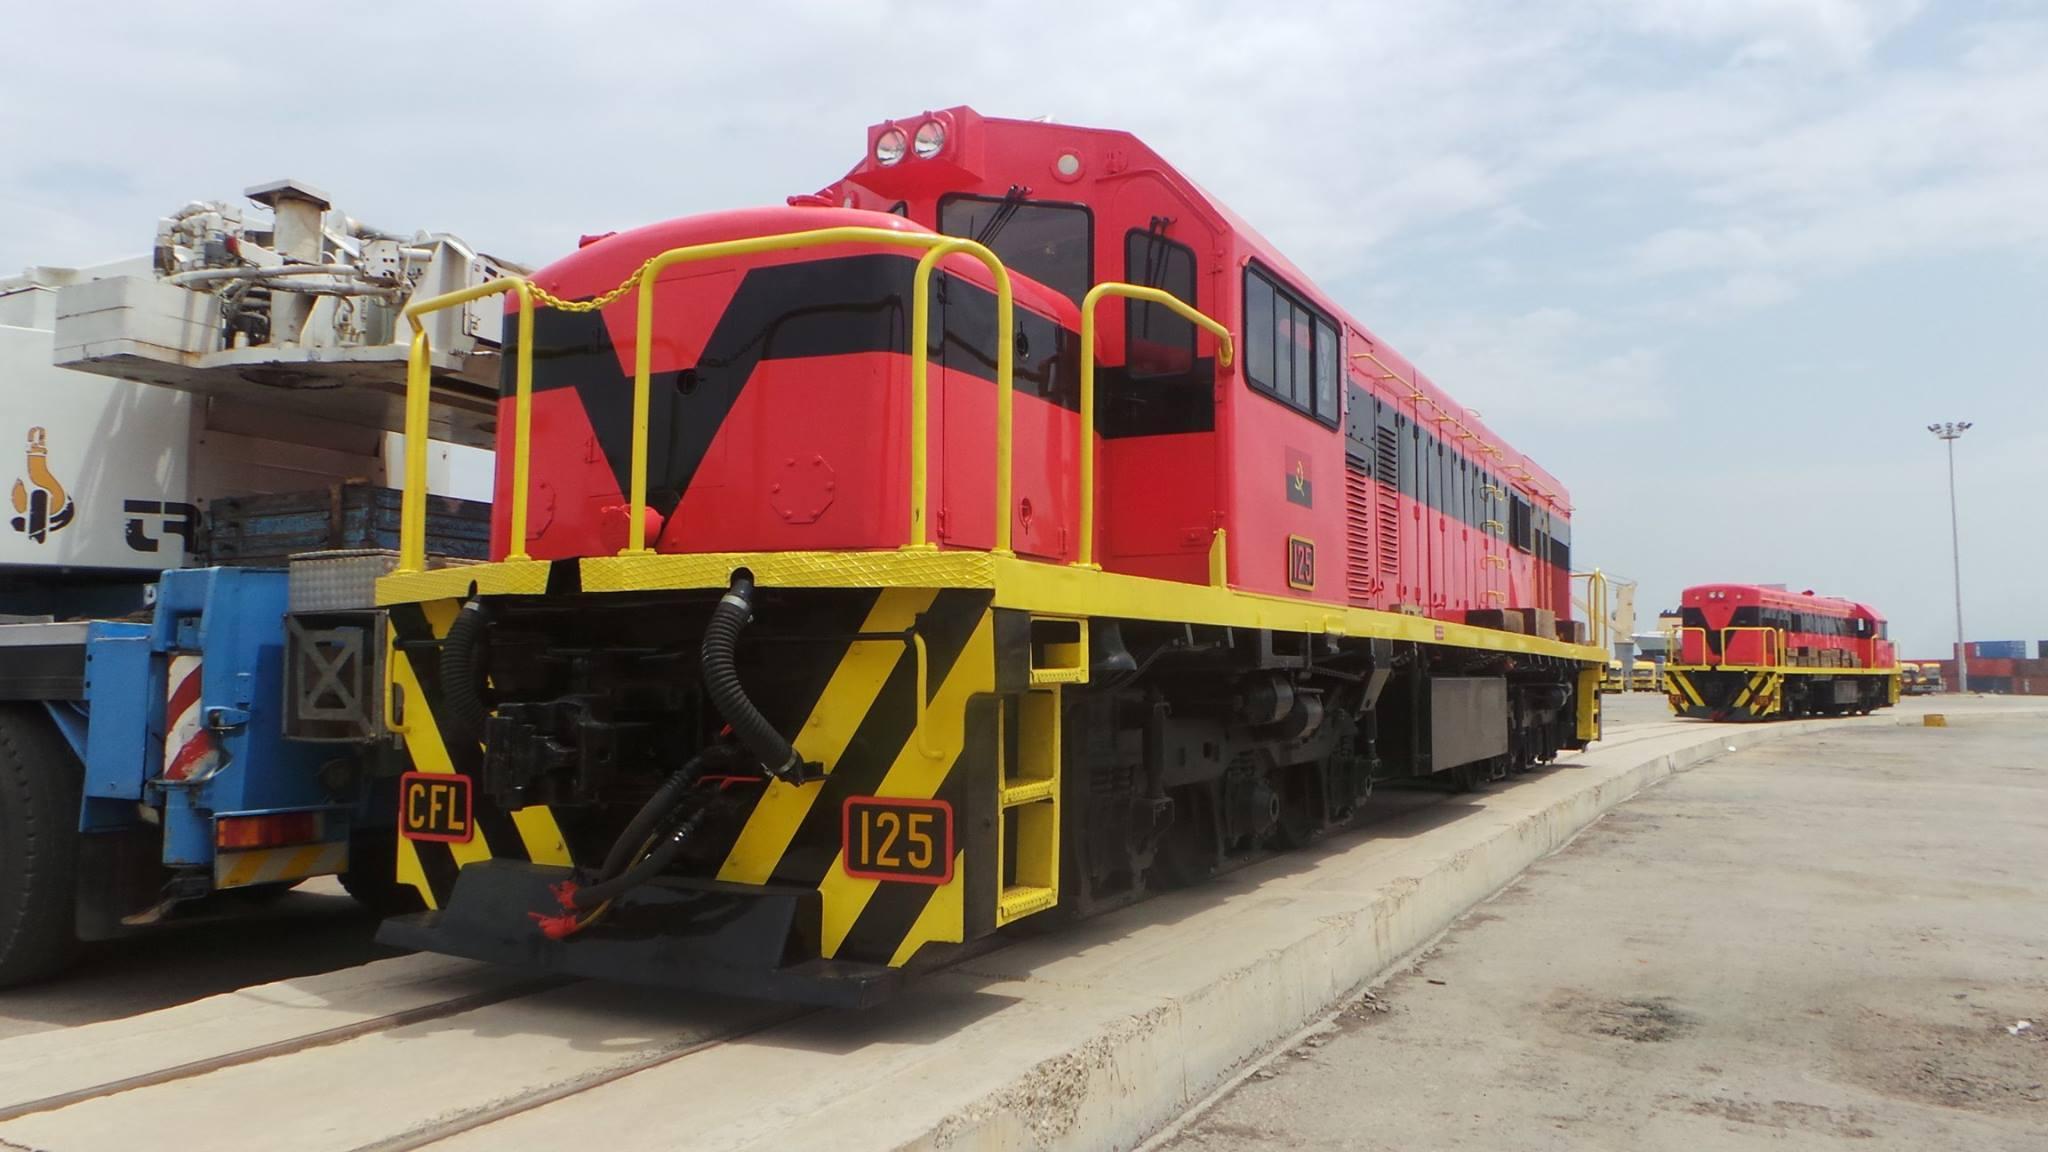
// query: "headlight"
[[889, 146], [931, 136]]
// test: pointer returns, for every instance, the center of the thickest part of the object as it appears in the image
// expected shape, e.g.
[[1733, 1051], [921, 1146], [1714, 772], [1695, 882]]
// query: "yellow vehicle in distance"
[[1645, 678], [1615, 679], [1922, 679]]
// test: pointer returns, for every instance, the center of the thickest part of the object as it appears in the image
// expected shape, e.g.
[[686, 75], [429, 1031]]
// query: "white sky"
[[1715, 263]]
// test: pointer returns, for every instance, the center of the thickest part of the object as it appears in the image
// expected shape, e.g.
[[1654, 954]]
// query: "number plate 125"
[[909, 841]]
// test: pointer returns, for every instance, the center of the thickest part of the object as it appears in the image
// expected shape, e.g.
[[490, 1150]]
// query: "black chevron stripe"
[[849, 305], [409, 621], [946, 628], [895, 907]]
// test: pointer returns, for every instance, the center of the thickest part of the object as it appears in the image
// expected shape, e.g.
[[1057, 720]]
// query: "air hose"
[[655, 835], [722, 683], [462, 671], [589, 897], [658, 808]]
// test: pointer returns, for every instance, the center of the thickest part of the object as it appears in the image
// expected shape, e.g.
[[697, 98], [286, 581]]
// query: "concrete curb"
[[1114, 1088]]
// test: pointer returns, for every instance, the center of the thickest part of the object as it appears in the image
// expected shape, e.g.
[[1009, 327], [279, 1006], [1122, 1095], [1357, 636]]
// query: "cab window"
[[1047, 241], [1159, 341], [1290, 348]]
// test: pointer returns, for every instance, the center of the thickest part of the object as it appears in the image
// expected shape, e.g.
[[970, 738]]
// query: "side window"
[[1158, 342], [1326, 369], [1520, 524], [1050, 242], [1304, 357], [1283, 348], [1258, 332], [1290, 349]]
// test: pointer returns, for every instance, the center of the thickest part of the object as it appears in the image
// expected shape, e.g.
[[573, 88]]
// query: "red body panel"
[[811, 451]]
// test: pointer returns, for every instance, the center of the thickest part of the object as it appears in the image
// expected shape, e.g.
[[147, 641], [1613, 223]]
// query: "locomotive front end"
[[728, 710]]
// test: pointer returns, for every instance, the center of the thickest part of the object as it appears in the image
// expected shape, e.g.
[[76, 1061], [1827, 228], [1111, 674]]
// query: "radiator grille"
[[1358, 569]]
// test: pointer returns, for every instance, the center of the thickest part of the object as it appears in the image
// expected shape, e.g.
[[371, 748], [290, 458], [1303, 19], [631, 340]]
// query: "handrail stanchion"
[[643, 353], [412, 519], [920, 394], [1225, 353], [522, 423]]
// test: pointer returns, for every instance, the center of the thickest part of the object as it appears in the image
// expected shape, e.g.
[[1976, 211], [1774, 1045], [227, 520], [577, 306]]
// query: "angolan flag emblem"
[[1300, 489]]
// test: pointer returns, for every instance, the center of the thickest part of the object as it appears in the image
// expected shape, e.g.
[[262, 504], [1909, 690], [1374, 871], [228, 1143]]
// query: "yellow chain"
[[553, 301]]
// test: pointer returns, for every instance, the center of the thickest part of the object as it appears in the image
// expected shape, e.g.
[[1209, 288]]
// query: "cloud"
[[1840, 33], [1541, 371], [1700, 249]]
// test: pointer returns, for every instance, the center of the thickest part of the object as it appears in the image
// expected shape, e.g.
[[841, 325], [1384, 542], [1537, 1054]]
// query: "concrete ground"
[[314, 928], [1827, 942]]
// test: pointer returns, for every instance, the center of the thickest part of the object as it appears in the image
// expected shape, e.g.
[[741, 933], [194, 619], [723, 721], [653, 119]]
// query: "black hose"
[[722, 682], [462, 672], [658, 808], [651, 865]]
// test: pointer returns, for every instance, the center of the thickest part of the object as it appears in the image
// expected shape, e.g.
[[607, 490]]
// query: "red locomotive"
[[1215, 562], [1760, 652]]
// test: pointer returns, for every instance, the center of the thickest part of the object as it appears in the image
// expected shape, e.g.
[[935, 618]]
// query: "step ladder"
[[1029, 838]]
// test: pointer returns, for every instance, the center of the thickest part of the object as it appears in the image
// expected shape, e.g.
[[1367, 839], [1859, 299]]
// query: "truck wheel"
[[372, 876], [39, 790]]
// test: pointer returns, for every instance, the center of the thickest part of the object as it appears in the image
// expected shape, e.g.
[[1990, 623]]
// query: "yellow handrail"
[[1225, 349], [1678, 643], [936, 248], [1596, 607], [412, 523], [1774, 646], [419, 372]]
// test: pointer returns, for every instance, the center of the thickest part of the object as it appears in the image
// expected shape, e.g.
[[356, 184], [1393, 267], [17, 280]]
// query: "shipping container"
[[1998, 650]]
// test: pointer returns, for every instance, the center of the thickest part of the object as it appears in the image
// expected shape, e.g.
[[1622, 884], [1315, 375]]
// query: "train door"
[[1049, 242], [1440, 566], [1424, 533], [1467, 578], [1408, 516], [1156, 402]]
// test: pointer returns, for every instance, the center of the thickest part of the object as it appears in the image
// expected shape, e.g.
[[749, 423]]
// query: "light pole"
[[1950, 433]]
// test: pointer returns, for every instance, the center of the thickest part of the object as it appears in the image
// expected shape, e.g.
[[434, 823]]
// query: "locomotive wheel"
[[372, 876], [1296, 826], [39, 793]]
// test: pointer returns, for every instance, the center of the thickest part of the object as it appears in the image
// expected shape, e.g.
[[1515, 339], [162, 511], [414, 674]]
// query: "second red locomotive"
[[1760, 652]]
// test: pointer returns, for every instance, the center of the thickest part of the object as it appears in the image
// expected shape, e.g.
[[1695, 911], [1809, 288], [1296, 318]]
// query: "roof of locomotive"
[[1777, 596], [972, 138], [603, 262]]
